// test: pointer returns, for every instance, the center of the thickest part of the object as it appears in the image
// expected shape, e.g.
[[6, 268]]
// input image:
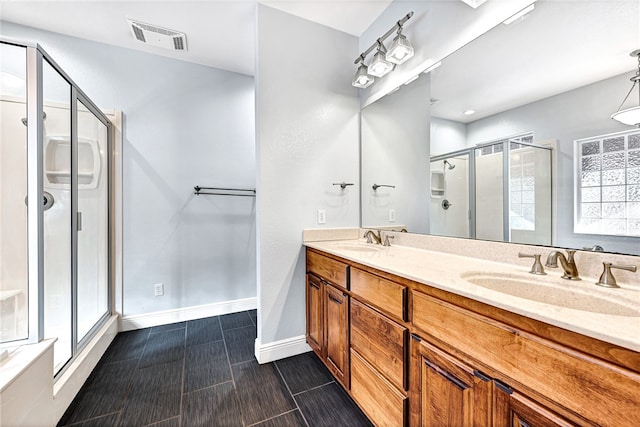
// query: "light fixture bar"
[[375, 44]]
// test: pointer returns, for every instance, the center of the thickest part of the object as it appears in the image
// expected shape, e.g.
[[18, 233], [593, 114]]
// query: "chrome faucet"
[[568, 264], [371, 236]]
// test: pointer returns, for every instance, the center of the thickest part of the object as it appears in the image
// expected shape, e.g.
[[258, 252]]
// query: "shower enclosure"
[[54, 220], [496, 191]]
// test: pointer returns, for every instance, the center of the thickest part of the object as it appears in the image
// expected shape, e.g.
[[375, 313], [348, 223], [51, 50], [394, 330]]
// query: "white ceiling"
[[559, 46], [220, 33]]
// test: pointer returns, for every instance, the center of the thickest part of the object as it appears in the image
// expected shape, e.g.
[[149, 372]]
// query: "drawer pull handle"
[[334, 299], [482, 376], [455, 381], [502, 386]]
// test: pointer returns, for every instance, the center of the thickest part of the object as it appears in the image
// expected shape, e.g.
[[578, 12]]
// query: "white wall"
[[437, 29], [185, 125], [572, 115], [307, 139]]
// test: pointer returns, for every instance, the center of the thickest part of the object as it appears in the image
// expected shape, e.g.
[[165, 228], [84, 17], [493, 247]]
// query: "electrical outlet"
[[158, 289], [392, 215], [322, 216]]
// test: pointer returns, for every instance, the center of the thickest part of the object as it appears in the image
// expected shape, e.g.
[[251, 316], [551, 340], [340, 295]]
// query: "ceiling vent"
[[158, 36]]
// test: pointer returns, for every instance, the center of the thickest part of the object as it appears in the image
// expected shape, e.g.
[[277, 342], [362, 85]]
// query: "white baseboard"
[[276, 350], [165, 317]]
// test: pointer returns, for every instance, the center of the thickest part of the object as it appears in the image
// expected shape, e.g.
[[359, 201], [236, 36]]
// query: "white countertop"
[[447, 272]]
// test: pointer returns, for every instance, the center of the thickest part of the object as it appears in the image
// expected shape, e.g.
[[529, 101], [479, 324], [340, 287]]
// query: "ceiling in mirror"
[[551, 49]]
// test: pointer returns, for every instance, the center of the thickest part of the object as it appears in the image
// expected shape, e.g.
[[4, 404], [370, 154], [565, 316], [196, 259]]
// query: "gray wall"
[[580, 113], [395, 151], [307, 139], [185, 125]]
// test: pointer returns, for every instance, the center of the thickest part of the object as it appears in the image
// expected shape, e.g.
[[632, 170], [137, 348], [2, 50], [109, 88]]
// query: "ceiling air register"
[[158, 36]]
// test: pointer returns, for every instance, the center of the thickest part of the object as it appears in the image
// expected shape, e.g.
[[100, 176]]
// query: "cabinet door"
[[314, 314], [336, 323], [513, 409], [451, 394]]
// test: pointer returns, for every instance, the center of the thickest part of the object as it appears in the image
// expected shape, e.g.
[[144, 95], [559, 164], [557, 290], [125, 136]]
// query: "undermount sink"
[[531, 289], [358, 247]]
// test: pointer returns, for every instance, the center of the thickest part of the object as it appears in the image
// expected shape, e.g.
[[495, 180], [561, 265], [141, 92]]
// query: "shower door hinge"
[[79, 221]]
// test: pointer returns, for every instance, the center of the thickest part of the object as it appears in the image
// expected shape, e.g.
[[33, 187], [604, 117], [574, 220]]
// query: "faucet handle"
[[386, 240], [606, 278], [537, 267], [368, 236]]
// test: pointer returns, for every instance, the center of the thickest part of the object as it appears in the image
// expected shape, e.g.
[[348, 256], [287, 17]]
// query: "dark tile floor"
[[203, 373]]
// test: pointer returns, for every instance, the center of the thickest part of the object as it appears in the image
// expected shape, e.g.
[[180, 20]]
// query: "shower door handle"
[[79, 221]]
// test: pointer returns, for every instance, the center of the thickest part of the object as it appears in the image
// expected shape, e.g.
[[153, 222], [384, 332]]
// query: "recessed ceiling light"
[[474, 3], [469, 112]]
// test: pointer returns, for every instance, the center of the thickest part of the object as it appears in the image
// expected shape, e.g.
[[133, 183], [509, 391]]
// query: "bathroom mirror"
[[552, 77]]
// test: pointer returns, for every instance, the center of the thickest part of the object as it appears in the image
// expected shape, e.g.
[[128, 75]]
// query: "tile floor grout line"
[[292, 396], [133, 375], [184, 375], [233, 380], [274, 417], [91, 419], [239, 327], [313, 388], [208, 387]]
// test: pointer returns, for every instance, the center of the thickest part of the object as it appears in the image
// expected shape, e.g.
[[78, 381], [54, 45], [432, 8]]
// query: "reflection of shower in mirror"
[[449, 165]]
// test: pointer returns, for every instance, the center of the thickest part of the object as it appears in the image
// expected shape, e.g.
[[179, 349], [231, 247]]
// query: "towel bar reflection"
[[218, 191]]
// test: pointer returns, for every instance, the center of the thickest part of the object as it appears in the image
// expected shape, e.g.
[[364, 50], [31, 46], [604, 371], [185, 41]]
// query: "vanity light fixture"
[[400, 50], [630, 116], [362, 79], [383, 61], [474, 3], [380, 66]]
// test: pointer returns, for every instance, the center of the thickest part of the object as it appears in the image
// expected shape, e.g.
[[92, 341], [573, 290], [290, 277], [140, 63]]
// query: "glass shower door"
[[93, 219], [57, 237]]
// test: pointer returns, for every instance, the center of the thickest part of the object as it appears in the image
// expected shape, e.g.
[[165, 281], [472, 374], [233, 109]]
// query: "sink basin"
[[536, 290], [357, 247]]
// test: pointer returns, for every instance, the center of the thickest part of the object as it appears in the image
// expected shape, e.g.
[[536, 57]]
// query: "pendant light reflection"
[[630, 116], [379, 65], [362, 79]]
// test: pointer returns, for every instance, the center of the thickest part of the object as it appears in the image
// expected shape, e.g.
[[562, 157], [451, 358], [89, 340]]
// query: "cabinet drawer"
[[328, 268], [382, 342], [382, 403], [384, 294], [572, 379]]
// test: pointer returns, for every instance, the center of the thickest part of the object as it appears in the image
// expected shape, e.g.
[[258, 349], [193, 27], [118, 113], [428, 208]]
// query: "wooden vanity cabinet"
[[327, 313], [379, 348], [315, 317], [336, 329], [512, 409], [413, 355]]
